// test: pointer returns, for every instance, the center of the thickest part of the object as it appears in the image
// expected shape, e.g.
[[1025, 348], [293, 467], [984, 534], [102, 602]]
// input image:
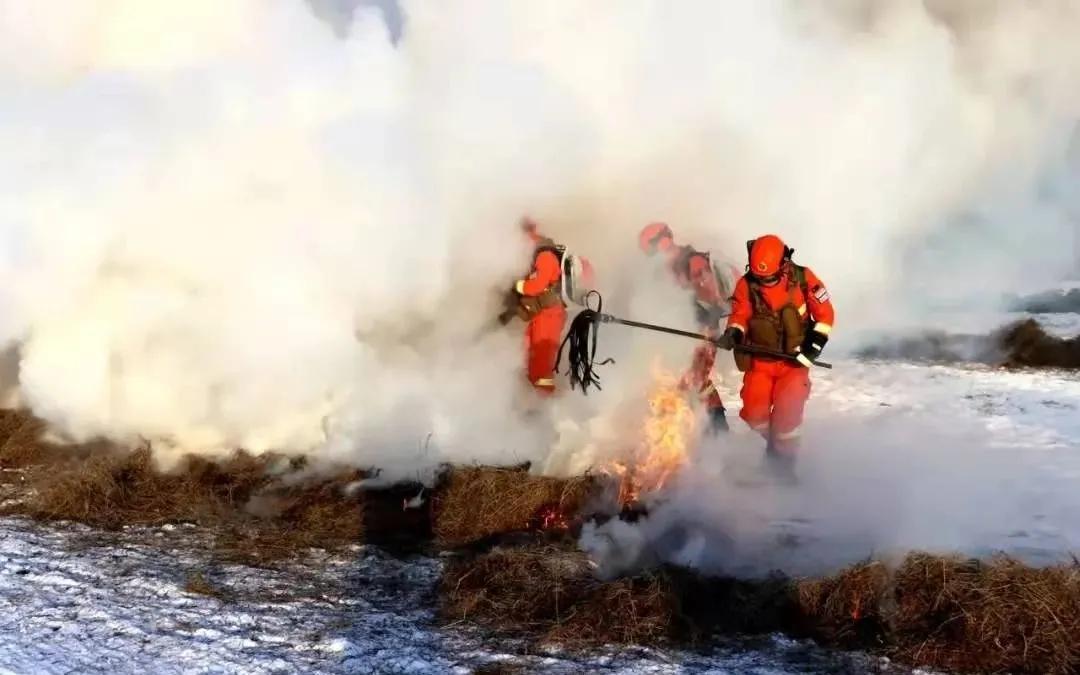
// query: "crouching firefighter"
[[556, 280], [711, 283], [783, 307]]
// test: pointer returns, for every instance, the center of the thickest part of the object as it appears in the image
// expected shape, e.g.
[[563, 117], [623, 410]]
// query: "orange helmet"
[[655, 237], [767, 255]]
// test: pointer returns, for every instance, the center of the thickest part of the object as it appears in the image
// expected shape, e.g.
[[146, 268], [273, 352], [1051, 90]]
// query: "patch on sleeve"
[[820, 293]]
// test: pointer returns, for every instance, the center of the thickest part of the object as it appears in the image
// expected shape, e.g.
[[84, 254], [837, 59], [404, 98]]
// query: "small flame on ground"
[[664, 447], [552, 518]]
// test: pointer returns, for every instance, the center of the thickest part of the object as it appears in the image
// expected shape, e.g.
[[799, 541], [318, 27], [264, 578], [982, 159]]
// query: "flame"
[[664, 448], [551, 517]]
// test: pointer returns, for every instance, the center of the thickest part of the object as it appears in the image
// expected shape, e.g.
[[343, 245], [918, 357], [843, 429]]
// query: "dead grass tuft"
[[550, 593], [977, 616], [254, 514], [475, 503], [1027, 344], [939, 612]]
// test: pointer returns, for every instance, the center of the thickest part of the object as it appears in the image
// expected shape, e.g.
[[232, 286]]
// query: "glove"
[[811, 348], [731, 337]]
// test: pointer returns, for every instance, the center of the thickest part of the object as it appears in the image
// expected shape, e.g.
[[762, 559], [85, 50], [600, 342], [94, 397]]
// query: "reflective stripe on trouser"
[[774, 395], [542, 337], [699, 376]]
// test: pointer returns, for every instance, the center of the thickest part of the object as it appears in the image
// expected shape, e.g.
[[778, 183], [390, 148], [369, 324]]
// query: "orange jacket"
[[818, 305], [546, 272]]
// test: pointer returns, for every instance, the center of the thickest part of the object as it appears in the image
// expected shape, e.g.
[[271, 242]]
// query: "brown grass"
[[475, 503], [549, 593], [998, 615], [253, 513], [1027, 344], [993, 616]]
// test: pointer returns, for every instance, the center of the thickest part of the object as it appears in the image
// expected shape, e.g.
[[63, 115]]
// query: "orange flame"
[[664, 448]]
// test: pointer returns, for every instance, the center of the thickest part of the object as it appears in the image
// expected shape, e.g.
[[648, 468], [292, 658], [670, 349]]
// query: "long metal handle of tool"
[[746, 349]]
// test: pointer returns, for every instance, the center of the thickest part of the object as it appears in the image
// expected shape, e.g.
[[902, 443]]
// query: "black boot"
[[718, 420]]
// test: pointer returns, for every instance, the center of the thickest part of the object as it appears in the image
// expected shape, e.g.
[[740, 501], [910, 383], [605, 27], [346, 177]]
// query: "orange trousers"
[[542, 337], [699, 376], [774, 395]]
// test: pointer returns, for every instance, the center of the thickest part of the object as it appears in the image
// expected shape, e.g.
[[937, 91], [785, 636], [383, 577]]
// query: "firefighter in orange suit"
[[783, 307], [695, 270], [541, 304]]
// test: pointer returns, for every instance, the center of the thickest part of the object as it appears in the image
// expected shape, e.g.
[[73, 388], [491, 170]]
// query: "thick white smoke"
[[235, 225]]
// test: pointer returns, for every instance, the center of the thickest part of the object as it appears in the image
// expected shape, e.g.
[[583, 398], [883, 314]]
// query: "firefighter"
[[784, 307], [556, 279], [697, 271]]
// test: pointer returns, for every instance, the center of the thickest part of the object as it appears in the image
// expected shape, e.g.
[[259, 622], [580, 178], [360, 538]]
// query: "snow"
[[74, 599]]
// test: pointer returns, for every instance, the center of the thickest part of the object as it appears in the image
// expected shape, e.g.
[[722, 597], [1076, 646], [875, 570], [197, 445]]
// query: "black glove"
[[731, 337], [811, 347]]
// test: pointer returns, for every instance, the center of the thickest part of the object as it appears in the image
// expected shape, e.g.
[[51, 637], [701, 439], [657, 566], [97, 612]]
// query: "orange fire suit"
[[774, 392], [693, 270], [545, 326]]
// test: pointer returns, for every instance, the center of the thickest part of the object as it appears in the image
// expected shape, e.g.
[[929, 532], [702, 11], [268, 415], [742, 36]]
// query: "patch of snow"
[[74, 599]]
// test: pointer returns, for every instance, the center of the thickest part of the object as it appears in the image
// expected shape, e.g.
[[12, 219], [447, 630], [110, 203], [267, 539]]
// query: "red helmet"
[[767, 255], [655, 237]]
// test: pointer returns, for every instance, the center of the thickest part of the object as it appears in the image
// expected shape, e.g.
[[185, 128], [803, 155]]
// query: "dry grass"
[[253, 513], [994, 616], [549, 593], [476, 503], [1027, 344], [21, 445], [977, 616]]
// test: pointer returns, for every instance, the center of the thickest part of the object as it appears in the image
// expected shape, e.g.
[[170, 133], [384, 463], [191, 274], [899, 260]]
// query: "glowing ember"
[[666, 435], [552, 518], [856, 611]]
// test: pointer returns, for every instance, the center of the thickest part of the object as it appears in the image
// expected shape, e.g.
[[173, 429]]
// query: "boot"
[[718, 421]]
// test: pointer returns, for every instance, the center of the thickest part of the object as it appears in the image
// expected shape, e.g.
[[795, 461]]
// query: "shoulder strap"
[[798, 275], [757, 299]]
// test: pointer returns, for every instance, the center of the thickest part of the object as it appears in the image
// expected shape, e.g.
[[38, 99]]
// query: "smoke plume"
[[251, 224]]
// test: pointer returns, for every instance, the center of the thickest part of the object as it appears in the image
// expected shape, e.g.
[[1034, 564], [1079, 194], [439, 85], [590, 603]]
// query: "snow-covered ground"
[[898, 457], [75, 600]]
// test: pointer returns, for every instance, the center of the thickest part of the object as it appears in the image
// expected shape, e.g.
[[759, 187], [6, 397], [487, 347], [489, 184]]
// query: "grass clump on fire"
[[477, 503]]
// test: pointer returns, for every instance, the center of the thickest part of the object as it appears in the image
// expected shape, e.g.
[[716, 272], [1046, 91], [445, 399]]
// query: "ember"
[[550, 517]]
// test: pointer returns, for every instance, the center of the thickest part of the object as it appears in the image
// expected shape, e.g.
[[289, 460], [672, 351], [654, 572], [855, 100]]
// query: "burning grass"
[[992, 616], [473, 504]]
